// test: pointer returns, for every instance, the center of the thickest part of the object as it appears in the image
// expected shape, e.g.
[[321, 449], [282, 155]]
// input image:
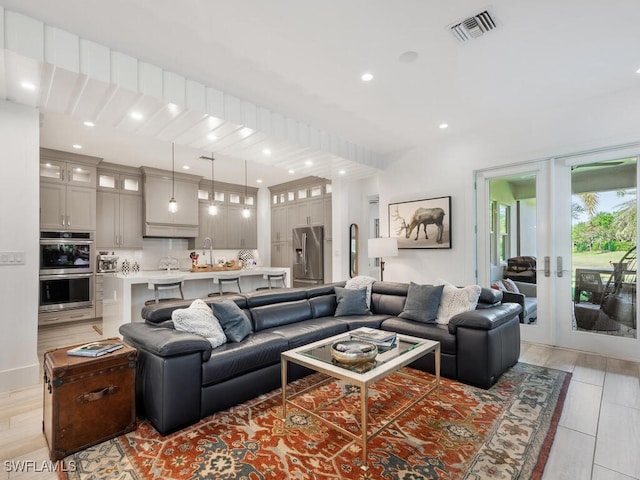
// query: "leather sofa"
[[181, 379]]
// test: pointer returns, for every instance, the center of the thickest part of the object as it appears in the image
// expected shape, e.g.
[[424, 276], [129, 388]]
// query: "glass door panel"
[[603, 247], [513, 205]]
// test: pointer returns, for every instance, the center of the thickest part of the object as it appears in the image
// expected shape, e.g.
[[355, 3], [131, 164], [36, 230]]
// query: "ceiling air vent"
[[473, 27]]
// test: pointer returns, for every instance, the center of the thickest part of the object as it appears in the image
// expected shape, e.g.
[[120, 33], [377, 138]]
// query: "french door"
[[576, 218]]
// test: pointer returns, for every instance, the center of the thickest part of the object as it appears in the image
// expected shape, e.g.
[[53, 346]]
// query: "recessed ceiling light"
[[77, 146], [212, 136], [136, 115], [173, 108], [638, 70], [266, 151], [186, 167], [292, 171], [342, 172], [28, 85], [408, 57], [89, 124], [259, 180], [308, 163], [443, 125], [245, 132], [367, 77]]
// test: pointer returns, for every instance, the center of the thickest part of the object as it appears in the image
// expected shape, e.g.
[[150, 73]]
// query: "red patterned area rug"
[[501, 433]]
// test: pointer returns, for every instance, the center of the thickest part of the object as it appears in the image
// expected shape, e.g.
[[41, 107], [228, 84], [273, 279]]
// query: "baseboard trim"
[[19, 377]]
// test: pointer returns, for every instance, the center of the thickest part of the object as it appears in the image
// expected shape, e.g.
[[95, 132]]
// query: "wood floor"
[[598, 437]]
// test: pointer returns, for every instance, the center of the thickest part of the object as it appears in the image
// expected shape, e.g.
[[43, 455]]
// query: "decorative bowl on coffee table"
[[352, 352]]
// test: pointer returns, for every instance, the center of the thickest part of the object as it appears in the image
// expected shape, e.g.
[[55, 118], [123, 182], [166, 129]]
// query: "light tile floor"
[[598, 436]]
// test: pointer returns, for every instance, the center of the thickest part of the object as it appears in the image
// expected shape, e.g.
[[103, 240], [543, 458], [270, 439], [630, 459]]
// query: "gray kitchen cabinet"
[[212, 226], [58, 171], [328, 218], [119, 220], [306, 212], [64, 207], [99, 290], [281, 254], [67, 191], [280, 230], [119, 206], [158, 188], [116, 179], [296, 204], [242, 232]]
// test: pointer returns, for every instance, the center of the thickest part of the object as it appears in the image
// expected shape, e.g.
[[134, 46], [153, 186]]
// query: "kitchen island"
[[124, 295]]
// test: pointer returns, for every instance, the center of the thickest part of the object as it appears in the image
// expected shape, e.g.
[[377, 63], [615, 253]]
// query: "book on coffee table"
[[94, 349], [375, 336]]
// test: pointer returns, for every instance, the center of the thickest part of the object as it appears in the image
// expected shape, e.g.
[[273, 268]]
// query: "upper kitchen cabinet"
[[119, 206], [295, 204], [228, 228], [67, 191], [158, 187]]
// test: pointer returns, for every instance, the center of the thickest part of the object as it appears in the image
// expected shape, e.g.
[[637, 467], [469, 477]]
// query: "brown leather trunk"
[[87, 400]]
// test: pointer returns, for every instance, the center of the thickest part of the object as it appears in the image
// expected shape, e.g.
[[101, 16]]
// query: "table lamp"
[[382, 247]]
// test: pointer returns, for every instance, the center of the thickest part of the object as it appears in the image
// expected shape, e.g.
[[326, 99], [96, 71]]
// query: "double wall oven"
[[67, 267]]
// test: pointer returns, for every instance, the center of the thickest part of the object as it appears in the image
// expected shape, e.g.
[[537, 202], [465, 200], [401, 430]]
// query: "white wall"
[[19, 224], [355, 194], [447, 168]]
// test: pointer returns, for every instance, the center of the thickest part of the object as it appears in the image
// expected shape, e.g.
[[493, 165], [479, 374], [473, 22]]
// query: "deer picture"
[[424, 217]]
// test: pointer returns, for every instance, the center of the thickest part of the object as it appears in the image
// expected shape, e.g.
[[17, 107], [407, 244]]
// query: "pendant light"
[[213, 208], [173, 205], [246, 213]]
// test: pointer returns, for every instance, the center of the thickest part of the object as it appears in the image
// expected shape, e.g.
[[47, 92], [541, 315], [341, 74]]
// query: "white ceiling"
[[304, 59]]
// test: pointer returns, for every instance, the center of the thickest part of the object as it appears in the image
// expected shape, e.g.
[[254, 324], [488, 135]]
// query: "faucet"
[[207, 240]]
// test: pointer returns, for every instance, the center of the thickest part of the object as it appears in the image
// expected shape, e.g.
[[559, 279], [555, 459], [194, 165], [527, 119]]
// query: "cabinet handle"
[[68, 221], [62, 220]]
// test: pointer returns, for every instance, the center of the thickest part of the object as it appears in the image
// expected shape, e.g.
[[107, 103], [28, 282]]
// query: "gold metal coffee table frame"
[[316, 356]]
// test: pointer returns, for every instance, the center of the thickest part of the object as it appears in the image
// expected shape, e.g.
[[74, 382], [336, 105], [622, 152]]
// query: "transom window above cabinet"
[[300, 190], [119, 182], [206, 194]]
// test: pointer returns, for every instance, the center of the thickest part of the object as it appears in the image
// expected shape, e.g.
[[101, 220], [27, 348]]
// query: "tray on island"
[[215, 268]]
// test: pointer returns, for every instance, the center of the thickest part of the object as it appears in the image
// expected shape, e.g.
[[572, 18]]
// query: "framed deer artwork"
[[421, 223]]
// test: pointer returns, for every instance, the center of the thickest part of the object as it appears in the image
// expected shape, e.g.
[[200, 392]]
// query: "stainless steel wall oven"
[[66, 252], [67, 268]]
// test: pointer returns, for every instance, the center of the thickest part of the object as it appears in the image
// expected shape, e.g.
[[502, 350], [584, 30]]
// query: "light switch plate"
[[12, 258]]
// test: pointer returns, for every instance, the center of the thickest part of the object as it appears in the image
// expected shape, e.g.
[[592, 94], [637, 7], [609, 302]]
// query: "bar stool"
[[164, 283], [273, 278], [222, 280]]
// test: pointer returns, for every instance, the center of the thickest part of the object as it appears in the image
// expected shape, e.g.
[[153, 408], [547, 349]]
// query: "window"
[[504, 231]]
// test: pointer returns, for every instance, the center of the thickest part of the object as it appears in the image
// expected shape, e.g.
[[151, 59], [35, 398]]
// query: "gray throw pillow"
[[351, 302], [234, 322], [422, 303]]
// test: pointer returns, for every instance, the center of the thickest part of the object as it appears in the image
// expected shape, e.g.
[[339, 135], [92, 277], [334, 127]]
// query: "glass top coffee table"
[[317, 356]]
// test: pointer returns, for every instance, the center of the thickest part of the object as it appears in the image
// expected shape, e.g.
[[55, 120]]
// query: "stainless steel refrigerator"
[[308, 261]]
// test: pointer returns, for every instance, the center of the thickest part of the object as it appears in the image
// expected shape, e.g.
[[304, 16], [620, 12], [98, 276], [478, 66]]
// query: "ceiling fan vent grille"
[[473, 27]]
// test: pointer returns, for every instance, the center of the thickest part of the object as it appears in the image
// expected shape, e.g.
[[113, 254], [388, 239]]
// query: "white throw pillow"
[[456, 300], [361, 281], [198, 318]]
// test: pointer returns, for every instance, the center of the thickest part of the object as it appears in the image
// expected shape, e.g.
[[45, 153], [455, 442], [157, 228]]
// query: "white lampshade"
[[382, 247]]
